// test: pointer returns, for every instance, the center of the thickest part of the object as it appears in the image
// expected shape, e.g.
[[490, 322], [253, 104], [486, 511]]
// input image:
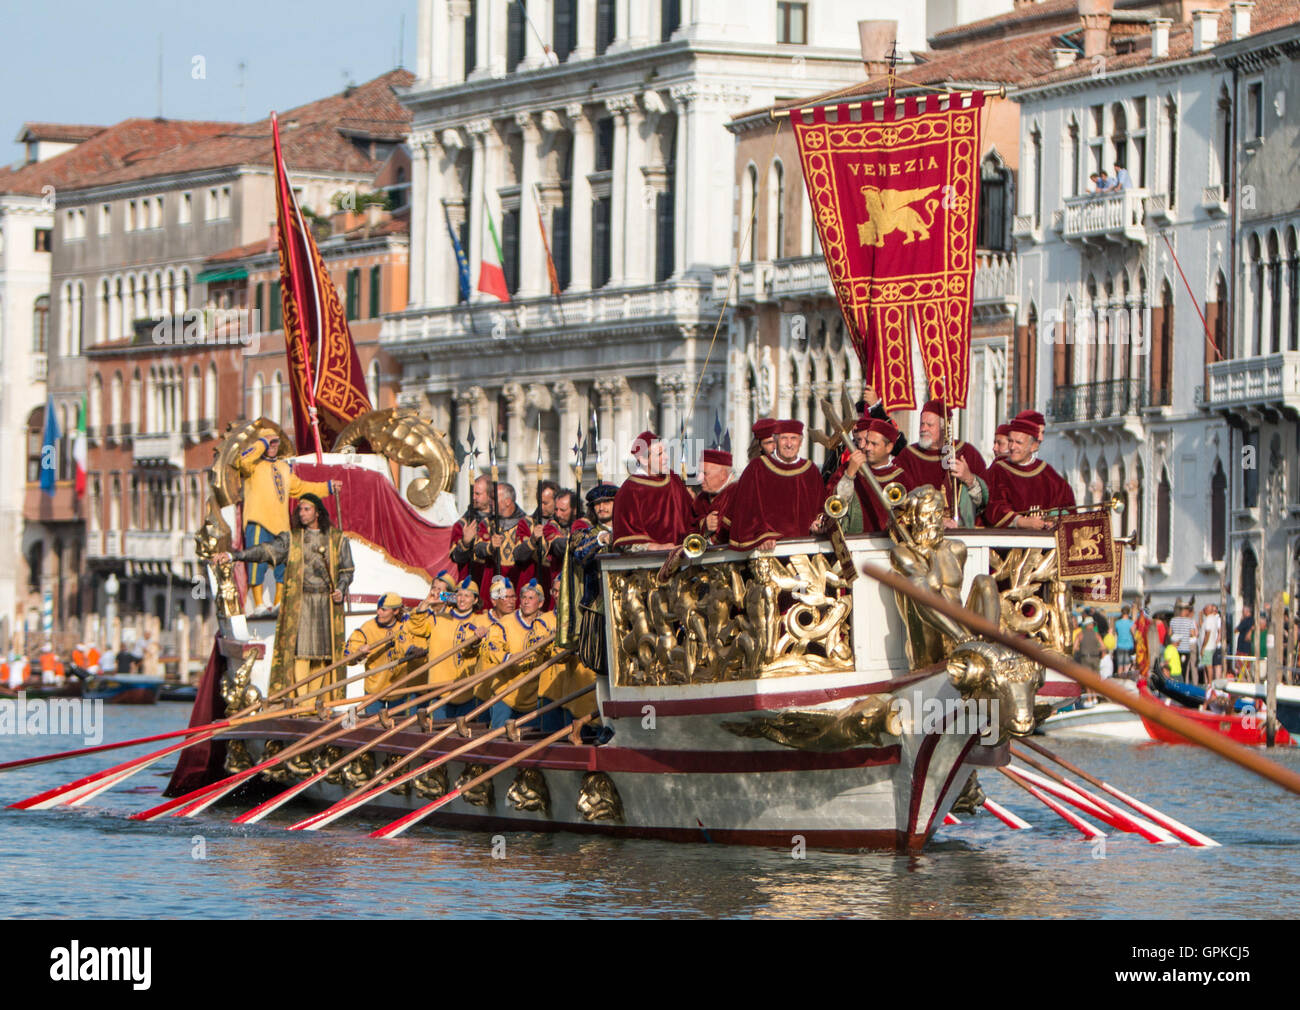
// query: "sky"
[[96, 61]]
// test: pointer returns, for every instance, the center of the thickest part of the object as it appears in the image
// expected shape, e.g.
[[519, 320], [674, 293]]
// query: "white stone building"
[[1110, 343], [610, 116]]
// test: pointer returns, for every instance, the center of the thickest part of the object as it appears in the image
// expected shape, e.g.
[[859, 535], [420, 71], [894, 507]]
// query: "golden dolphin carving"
[[888, 211]]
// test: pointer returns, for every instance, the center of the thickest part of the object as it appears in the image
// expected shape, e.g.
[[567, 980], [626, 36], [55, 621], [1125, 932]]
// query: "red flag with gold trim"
[[895, 200], [325, 376]]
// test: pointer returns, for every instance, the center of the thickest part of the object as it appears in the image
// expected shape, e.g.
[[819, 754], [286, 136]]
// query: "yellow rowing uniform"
[[448, 631], [508, 637], [409, 632]]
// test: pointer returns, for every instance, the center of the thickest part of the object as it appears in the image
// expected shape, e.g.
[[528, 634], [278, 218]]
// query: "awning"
[[229, 274]]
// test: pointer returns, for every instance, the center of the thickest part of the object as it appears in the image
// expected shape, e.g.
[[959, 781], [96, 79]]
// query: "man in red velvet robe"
[[1020, 483], [923, 462], [778, 498], [1000, 442], [717, 485], [874, 440], [764, 441], [1034, 418], [653, 510]]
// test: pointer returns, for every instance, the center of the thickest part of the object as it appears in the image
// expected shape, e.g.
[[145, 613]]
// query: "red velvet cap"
[[1002, 429], [1025, 427], [643, 441], [716, 456], [764, 427], [1032, 416], [938, 408], [885, 429], [788, 426]]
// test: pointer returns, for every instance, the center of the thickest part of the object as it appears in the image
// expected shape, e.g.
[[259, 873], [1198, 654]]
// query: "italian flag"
[[491, 275], [79, 449]]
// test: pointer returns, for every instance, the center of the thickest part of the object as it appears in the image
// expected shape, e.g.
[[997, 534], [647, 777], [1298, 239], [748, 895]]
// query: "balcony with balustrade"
[[1106, 218], [158, 449], [1269, 382], [1116, 402]]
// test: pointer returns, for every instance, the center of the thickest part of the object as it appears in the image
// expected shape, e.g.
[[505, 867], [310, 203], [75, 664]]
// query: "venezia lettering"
[[864, 169]]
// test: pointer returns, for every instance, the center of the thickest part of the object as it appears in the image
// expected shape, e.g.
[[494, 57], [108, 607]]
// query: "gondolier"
[[318, 572]]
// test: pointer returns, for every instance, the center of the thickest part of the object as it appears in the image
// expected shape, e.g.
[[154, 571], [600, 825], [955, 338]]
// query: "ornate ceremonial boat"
[[768, 698]]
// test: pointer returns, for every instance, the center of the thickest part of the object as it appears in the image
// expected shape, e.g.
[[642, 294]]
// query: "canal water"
[[92, 862]]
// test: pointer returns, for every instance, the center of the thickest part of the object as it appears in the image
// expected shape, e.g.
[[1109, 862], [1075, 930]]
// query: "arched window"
[[1249, 576], [277, 398], [1063, 350], [192, 399], [95, 417], [1089, 332], [1162, 360], [749, 216], [134, 419], [1216, 316], [183, 291], [115, 402], [995, 200], [1164, 507], [210, 395], [102, 328], [1073, 156], [41, 325], [115, 504], [1275, 294], [1218, 513], [776, 210], [1139, 520], [1026, 361], [152, 418]]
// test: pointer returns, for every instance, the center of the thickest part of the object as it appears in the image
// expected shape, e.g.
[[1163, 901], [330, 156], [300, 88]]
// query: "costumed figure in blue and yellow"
[[457, 627], [318, 570], [269, 483], [409, 638], [508, 635]]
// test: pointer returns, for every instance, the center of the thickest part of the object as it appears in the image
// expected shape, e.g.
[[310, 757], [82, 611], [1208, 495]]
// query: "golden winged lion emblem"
[[888, 211], [1086, 544]]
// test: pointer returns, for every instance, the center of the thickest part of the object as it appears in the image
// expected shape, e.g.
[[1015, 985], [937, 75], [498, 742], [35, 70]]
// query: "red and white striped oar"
[[118, 745], [1189, 835], [1006, 816], [414, 817], [1086, 828], [950, 819], [364, 794], [1104, 809]]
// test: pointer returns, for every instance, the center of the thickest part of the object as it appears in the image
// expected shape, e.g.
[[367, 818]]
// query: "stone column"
[[639, 18], [646, 180], [568, 407], [586, 47], [683, 97], [580, 198], [479, 131], [431, 41], [440, 258], [420, 239], [619, 107], [533, 278], [516, 468], [458, 11], [621, 19]]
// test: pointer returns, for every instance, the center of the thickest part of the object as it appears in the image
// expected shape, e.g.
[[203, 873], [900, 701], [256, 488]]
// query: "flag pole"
[[295, 279]]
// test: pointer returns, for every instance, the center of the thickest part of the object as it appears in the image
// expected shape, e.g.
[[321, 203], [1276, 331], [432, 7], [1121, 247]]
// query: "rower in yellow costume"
[[457, 627], [269, 483], [510, 634], [410, 638]]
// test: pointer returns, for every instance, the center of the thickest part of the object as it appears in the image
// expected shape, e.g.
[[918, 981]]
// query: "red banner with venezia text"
[[895, 198], [325, 375]]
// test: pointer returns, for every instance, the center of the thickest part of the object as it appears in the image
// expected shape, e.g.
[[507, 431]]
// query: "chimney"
[[374, 214], [877, 41], [1205, 30], [1241, 18], [1062, 58], [1160, 38], [1095, 16]]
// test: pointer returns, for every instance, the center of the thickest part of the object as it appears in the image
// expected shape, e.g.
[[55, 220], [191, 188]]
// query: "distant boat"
[[1243, 729], [124, 689], [1288, 700], [1187, 695], [1105, 719], [70, 688], [179, 692]]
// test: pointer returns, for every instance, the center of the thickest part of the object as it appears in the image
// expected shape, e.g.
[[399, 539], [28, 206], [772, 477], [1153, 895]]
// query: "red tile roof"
[[110, 150], [67, 132], [390, 226], [331, 134]]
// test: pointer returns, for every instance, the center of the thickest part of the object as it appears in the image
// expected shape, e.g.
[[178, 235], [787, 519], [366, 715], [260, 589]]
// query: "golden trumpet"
[[894, 492], [694, 545], [835, 507]]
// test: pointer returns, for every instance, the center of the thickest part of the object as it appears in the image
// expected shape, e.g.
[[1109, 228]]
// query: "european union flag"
[[50, 450], [462, 264]]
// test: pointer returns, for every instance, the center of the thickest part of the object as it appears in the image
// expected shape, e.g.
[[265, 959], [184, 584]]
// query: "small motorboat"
[[1104, 719], [1287, 700], [179, 692], [124, 689], [1246, 729]]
